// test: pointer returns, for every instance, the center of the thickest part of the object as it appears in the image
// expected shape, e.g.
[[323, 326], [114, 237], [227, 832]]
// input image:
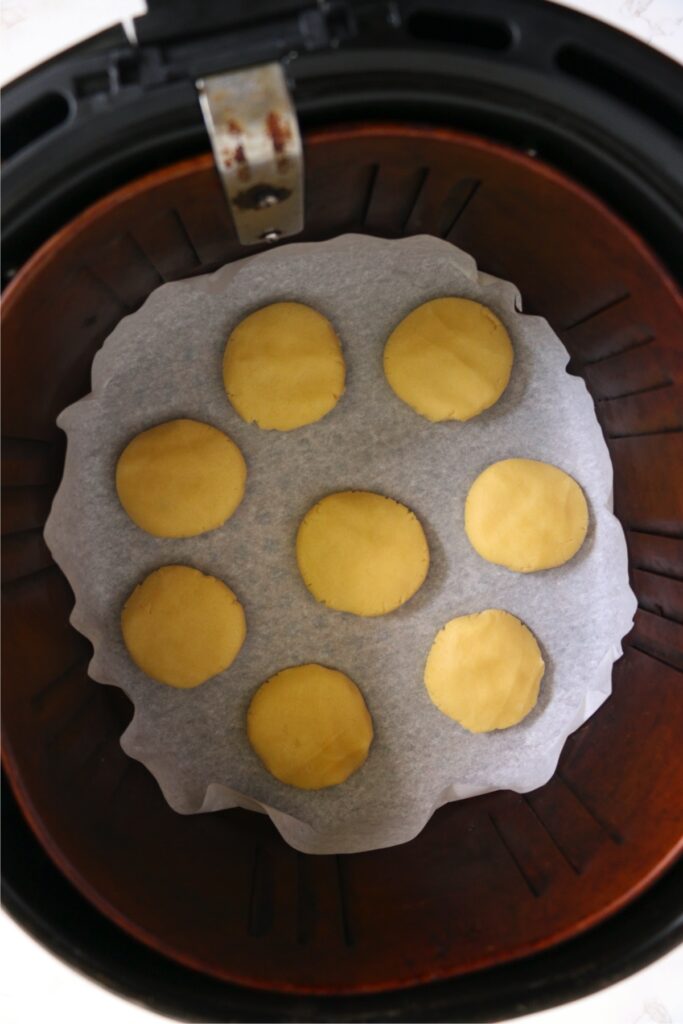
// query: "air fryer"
[[546, 145]]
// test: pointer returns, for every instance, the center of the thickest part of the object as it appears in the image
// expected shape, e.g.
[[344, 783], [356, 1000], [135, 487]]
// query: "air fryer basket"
[[490, 880]]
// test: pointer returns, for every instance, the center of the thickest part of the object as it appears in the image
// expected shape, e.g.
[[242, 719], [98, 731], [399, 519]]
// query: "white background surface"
[[34, 986]]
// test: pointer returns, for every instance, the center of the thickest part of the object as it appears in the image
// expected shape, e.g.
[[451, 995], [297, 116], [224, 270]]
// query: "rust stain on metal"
[[279, 130], [230, 156], [233, 126]]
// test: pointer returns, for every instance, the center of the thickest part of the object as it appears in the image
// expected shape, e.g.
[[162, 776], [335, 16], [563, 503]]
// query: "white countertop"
[[35, 986]]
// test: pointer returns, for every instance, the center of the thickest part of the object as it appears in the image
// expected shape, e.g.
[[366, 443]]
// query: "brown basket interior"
[[490, 878]]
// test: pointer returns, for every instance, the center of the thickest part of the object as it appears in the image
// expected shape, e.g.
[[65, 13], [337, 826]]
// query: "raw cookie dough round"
[[310, 726], [484, 670], [361, 552], [283, 366], [449, 359], [182, 627], [180, 478], [526, 515]]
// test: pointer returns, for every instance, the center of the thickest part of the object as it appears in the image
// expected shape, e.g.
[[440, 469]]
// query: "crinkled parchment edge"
[[219, 796]]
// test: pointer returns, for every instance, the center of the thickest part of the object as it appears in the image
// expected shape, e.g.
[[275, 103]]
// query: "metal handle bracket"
[[256, 144]]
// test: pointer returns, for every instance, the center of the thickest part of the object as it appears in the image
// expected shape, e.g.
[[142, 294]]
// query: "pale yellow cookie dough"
[[182, 627], [449, 359], [310, 726], [484, 670], [526, 515], [283, 366], [361, 552], [180, 478]]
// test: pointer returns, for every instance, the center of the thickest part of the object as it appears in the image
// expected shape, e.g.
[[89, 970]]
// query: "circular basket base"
[[490, 879]]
